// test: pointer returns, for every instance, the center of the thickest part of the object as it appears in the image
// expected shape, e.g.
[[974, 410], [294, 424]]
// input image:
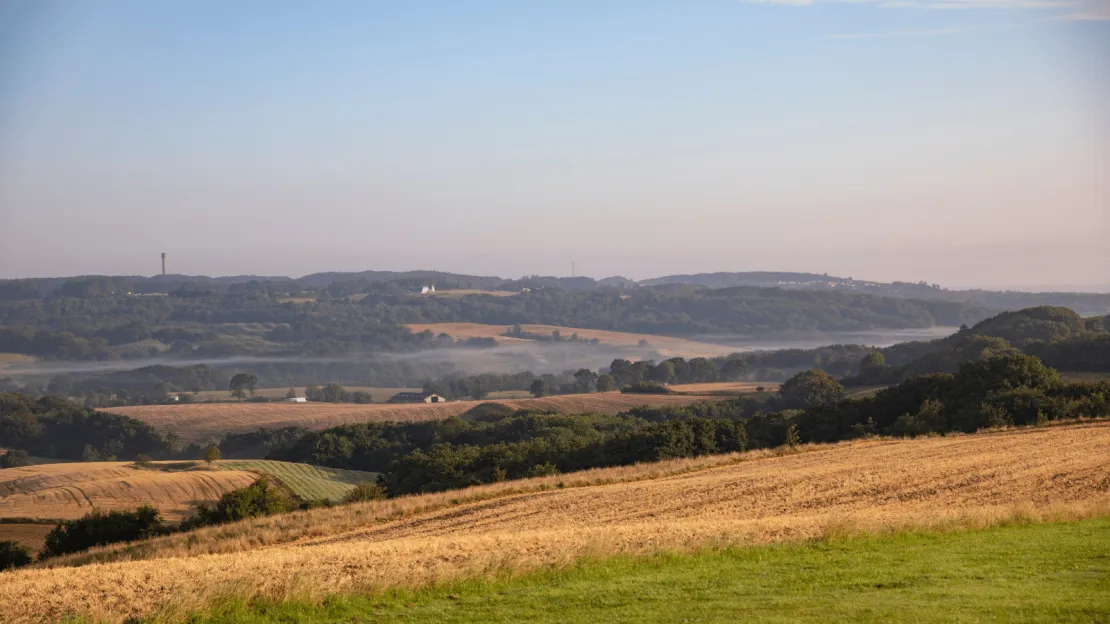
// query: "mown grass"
[[307, 481], [1058, 572]]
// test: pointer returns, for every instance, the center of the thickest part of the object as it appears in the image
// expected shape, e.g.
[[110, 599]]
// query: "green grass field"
[[308, 482], [1033, 573]]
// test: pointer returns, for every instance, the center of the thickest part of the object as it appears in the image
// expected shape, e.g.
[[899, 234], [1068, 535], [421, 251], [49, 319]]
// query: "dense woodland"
[[264, 319]]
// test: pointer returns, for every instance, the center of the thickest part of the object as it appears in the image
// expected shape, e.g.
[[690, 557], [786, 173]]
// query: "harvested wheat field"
[[724, 387], [31, 535], [665, 345], [67, 491], [974, 480], [203, 422]]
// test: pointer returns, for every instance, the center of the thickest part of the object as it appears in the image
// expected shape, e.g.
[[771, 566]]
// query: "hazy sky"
[[965, 142]]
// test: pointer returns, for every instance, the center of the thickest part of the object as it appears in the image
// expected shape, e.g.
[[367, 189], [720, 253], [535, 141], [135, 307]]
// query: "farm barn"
[[416, 397]]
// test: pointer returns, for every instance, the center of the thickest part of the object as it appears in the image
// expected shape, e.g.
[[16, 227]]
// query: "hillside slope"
[[755, 498], [67, 491]]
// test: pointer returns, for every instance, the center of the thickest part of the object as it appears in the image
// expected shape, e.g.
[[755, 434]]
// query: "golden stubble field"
[[68, 491], [974, 480], [199, 422], [666, 345]]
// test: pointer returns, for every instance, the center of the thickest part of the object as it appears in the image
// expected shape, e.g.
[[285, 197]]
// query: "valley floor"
[[1057, 572]]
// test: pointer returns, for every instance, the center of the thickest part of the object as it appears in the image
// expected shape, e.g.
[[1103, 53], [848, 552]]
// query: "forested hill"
[[1058, 336], [277, 318], [1083, 303], [342, 284], [683, 310]]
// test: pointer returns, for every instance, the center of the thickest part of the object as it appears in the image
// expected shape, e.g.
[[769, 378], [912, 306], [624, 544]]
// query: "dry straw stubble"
[[1055, 472]]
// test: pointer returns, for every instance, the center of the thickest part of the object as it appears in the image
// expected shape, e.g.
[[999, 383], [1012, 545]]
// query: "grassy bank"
[[1057, 572]]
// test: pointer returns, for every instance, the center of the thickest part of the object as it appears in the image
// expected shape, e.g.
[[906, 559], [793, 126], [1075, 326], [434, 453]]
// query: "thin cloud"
[[1065, 10], [1099, 8], [932, 32], [1098, 12]]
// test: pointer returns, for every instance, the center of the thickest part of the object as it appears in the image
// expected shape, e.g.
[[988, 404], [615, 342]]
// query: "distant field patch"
[[379, 395], [203, 422], [32, 536], [666, 345], [724, 387], [456, 293], [308, 482]]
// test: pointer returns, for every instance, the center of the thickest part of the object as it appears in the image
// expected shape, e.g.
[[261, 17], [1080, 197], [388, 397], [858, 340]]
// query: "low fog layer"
[[538, 357]]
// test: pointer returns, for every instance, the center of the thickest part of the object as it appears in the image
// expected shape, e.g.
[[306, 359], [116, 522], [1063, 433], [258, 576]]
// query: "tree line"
[[1011, 389]]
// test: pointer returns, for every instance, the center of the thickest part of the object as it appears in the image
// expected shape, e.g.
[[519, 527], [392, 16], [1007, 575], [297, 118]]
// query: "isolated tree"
[[364, 491], [292, 394], [605, 383], [734, 369], [539, 388], [681, 369], [211, 454], [584, 379], [621, 371], [792, 437], [334, 393], [242, 383], [90, 454], [810, 388], [13, 555], [702, 370], [872, 366], [664, 372], [15, 459]]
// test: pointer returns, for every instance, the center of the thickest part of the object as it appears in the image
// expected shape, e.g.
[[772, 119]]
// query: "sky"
[[960, 142]]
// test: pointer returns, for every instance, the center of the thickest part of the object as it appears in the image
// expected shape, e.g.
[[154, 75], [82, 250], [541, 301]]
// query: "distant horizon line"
[[1083, 288]]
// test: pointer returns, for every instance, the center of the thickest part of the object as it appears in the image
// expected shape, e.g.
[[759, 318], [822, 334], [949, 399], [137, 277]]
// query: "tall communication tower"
[[163, 263]]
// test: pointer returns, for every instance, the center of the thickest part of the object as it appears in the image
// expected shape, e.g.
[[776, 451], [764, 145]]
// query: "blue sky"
[[965, 142]]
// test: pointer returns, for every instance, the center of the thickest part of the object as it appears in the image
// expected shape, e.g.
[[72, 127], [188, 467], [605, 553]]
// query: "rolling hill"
[[68, 491], [866, 485], [65, 491]]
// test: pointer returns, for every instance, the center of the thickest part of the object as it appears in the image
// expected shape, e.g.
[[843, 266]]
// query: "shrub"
[[792, 438], [543, 470], [365, 491], [14, 459], [98, 528], [645, 387], [261, 498], [13, 555]]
